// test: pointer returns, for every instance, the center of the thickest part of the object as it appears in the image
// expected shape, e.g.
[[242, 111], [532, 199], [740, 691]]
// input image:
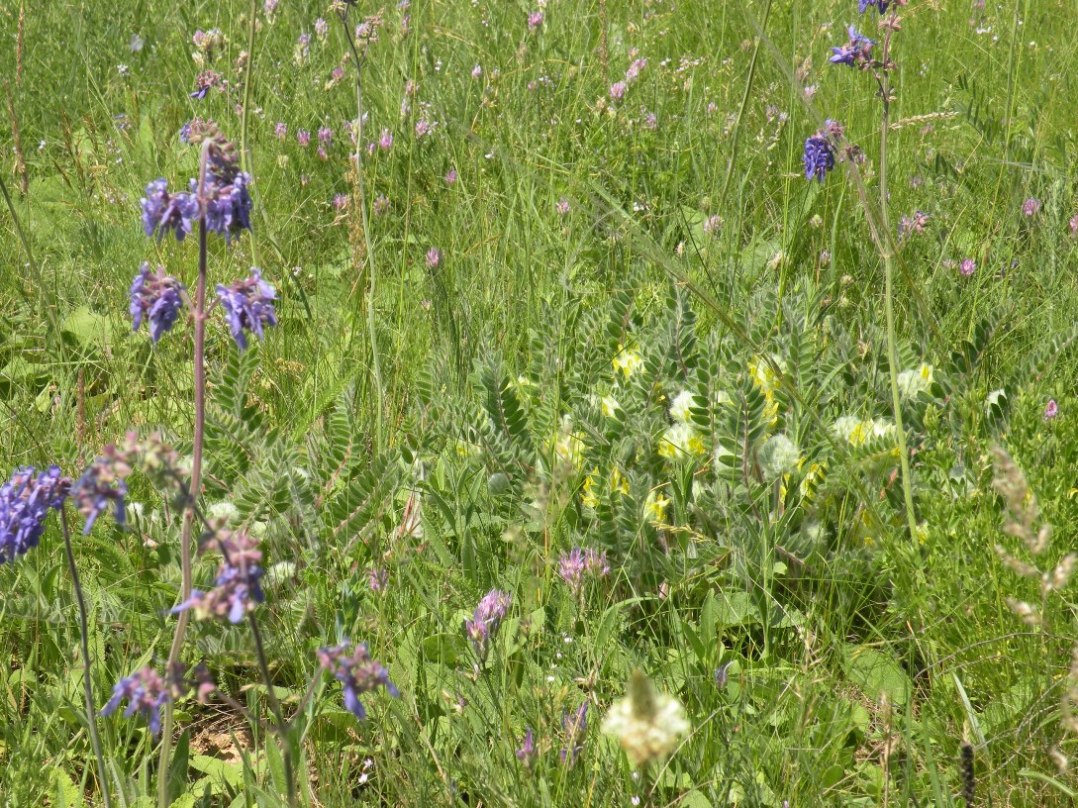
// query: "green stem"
[[887, 252], [84, 642], [361, 191], [245, 157], [281, 726]]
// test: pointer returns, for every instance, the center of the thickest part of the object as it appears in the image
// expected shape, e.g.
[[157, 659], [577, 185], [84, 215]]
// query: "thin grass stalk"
[[245, 156], [887, 253], [281, 726], [186, 583], [361, 193], [84, 644]]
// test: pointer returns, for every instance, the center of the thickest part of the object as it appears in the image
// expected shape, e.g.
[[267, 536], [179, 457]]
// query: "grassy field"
[[576, 387]]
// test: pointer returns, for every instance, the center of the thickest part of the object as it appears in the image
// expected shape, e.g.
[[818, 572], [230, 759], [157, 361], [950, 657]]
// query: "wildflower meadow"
[[559, 403]]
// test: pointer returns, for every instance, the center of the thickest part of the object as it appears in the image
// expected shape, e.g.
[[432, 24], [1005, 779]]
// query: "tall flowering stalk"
[[861, 53], [220, 202]]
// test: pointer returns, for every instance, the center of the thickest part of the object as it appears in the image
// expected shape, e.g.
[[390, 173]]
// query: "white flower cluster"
[[648, 725]]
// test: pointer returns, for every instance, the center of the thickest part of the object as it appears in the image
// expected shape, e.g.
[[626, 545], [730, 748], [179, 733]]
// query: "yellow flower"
[[764, 377], [618, 483], [647, 724], [567, 445], [681, 440], [588, 497], [609, 406], [655, 507], [913, 382], [627, 361]]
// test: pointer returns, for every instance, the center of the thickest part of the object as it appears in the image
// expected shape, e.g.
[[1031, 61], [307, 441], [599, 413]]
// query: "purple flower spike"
[[236, 589], [156, 296], [879, 5], [25, 500], [819, 157], [146, 692], [526, 752], [162, 211], [248, 305], [577, 564], [574, 725], [357, 672], [103, 484], [488, 614], [855, 53]]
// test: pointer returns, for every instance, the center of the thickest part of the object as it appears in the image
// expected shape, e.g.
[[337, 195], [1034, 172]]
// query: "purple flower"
[[385, 142], [913, 224], [477, 71], [967, 267], [712, 224], [574, 725], [865, 5], [451, 177], [562, 206], [321, 28], [1073, 225], [1031, 207], [434, 258], [633, 73], [357, 673], [577, 564], [236, 589], [340, 201], [303, 137], [206, 80], [325, 135], [381, 204], [228, 204], [535, 19], [378, 577], [1051, 409], [855, 53], [422, 127], [248, 304], [156, 296], [486, 618], [819, 157], [146, 692], [25, 500], [526, 752], [280, 130], [162, 211], [102, 484], [617, 90]]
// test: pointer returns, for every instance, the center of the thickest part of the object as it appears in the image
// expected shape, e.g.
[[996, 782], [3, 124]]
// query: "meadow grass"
[[625, 324]]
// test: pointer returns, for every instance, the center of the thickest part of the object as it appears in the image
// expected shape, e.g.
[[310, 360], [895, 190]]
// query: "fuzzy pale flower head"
[[681, 440], [913, 382], [681, 407], [647, 724]]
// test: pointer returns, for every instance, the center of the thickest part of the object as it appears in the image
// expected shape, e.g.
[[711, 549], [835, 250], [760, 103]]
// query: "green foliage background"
[[857, 658]]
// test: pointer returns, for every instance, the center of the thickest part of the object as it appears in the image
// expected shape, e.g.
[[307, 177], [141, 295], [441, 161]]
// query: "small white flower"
[[680, 408]]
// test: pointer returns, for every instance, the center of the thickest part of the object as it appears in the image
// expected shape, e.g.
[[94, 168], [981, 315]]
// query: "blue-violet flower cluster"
[[103, 484], [236, 588], [248, 304], [357, 672], [25, 500], [146, 692], [855, 53], [157, 297]]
